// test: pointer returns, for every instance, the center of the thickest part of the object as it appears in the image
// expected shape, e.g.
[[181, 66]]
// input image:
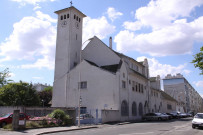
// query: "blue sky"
[[167, 32]]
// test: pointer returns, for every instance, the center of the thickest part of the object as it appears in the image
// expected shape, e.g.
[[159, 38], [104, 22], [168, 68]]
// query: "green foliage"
[[58, 114], [17, 94], [44, 123], [198, 60], [32, 124], [48, 89], [3, 77], [8, 126], [62, 118], [45, 96]]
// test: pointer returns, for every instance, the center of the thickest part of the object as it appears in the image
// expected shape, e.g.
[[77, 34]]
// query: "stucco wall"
[[102, 88], [97, 52], [110, 116]]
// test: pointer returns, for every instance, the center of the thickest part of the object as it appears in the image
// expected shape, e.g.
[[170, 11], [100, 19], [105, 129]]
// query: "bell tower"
[[68, 47]]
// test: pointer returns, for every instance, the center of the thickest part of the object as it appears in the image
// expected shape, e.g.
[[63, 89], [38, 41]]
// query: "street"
[[172, 127]]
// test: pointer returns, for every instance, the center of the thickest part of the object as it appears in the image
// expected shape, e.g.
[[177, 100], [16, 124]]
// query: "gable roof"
[[111, 68]]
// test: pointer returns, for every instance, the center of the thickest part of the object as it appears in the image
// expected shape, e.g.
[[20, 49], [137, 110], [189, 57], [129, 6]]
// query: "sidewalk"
[[41, 131]]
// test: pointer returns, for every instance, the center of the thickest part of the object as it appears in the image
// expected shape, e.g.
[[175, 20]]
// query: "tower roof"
[[70, 8]]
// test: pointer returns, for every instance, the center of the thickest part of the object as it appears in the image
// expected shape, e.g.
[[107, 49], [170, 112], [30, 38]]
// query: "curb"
[[65, 130]]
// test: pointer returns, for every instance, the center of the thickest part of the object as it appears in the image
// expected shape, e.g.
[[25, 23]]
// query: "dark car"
[[173, 116], [155, 116], [7, 119]]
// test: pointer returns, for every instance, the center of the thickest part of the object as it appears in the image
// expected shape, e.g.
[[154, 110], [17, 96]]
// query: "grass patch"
[[8, 127]]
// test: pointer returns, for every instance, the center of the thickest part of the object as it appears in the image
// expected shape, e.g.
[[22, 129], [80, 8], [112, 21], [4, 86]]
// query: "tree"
[[45, 96], [19, 94], [48, 89], [198, 60], [3, 77]]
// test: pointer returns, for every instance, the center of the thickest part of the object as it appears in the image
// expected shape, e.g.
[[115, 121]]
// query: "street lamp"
[[79, 87]]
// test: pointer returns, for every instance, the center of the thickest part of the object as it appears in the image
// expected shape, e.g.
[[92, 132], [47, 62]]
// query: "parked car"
[[85, 116], [198, 120], [183, 115], [169, 116], [173, 116], [7, 119], [155, 116], [176, 114]]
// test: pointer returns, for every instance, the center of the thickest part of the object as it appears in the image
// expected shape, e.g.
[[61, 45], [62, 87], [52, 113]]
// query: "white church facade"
[[108, 80]]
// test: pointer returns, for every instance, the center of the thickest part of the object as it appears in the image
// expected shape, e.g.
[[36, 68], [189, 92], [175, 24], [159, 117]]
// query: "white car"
[[198, 120]]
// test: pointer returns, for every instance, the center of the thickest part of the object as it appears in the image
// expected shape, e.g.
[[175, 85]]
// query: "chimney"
[[110, 42]]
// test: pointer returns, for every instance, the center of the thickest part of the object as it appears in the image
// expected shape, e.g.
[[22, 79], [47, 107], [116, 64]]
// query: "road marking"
[[138, 133]]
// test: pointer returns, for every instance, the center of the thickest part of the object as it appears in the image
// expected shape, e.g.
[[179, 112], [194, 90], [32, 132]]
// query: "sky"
[[166, 32]]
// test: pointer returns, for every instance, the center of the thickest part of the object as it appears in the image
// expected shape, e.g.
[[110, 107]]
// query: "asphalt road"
[[172, 127]]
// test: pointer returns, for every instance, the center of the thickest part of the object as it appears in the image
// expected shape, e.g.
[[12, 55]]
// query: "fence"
[[36, 111]]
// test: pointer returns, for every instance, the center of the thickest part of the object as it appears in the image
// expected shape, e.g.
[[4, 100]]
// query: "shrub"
[[8, 126], [44, 123], [61, 117], [32, 124]]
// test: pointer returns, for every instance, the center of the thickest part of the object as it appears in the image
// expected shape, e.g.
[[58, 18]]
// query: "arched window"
[[140, 109], [64, 16], [67, 15], [134, 109], [74, 16], [124, 108], [61, 17]]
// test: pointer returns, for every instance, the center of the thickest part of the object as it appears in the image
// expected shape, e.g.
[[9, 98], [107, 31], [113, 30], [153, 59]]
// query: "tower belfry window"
[[64, 16], [61, 17]]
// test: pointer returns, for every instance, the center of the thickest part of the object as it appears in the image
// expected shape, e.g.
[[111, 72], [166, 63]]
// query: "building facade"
[[180, 89], [159, 100], [107, 79]]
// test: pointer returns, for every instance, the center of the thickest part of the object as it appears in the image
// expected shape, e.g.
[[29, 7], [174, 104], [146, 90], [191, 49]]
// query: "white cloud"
[[33, 39], [11, 75], [161, 13], [132, 25], [169, 34], [156, 68], [177, 38], [198, 83], [33, 2], [99, 27], [36, 7], [113, 14]]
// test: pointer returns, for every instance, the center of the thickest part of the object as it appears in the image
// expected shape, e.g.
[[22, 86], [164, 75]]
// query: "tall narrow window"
[[79, 19], [61, 17], [124, 108], [74, 16], [64, 16], [123, 84], [67, 15]]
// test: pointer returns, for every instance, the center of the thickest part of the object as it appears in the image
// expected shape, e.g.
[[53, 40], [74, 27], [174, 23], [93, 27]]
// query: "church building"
[[97, 77]]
